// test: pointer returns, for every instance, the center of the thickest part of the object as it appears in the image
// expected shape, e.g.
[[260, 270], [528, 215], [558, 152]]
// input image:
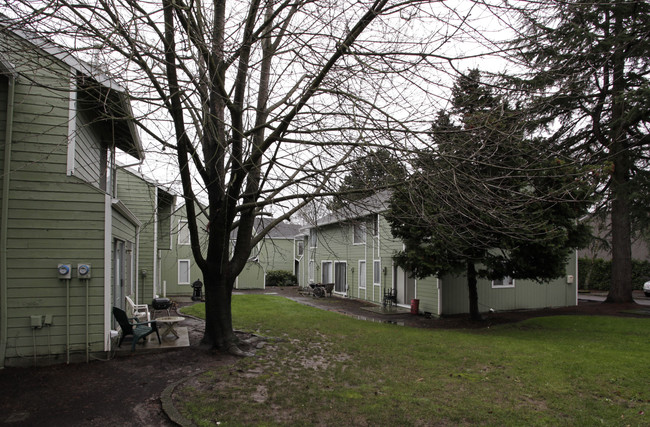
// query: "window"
[[300, 248], [312, 271], [183, 271], [359, 231], [340, 277], [375, 225], [183, 233], [376, 272], [326, 272], [313, 238], [505, 282], [362, 275]]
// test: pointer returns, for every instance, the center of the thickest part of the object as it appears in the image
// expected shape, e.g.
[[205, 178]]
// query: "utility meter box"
[[36, 321], [83, 271], [65, 271]]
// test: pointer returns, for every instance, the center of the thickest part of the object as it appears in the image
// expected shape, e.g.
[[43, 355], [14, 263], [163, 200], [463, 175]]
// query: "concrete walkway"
[[639, 298]]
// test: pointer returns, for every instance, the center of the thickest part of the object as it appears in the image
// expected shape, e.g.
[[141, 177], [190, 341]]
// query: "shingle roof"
[[374, 204], [283, 230]]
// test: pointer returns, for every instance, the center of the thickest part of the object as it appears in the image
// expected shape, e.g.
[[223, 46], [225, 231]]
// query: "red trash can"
[[415, 306]]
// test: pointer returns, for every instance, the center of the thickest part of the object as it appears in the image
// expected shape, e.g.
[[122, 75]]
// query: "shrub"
[[595, 274], [281, 278]]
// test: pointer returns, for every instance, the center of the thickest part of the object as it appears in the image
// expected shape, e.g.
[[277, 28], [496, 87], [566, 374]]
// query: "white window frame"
[[330, 271], [375, 225], [345, 277], [376, 272], [313, 238], [359, 230], [300, 247], [183, 233], [312, 271], [189, 272], [362, 274], [499, 284]]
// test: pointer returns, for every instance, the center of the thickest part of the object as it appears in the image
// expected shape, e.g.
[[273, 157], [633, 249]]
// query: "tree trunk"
[[219, 333], [473, 291], [620, 290]]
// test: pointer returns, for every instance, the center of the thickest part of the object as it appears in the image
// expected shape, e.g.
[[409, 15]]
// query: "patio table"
[[169, 324]]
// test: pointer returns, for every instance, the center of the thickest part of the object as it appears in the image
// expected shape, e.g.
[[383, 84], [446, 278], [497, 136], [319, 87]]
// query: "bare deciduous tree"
[[260, 101]]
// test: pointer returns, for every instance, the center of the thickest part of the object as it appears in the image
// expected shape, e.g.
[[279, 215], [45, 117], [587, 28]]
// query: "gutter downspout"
[[136, 254], [156, 224], [4, 225]]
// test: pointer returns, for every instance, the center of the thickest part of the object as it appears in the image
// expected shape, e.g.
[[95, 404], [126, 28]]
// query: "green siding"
[[169, 262], [52, 218], [140, 197], [87, 151], [272, 254], [525, 294], [447, 296]]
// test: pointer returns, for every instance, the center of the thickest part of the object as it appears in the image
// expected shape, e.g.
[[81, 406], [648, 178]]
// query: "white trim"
[[119, 206], [189, 272], [72, 125], [310, 240], [323, 269], [511, 284], [297, 244], [345, 292], [108, 283], [311, 271], [365, 275], [156, 224], [576, 278], [364, 230], [378, 283], [439, 296]]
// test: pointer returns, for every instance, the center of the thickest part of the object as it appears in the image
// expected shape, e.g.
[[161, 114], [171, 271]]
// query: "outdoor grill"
[[161, 304]]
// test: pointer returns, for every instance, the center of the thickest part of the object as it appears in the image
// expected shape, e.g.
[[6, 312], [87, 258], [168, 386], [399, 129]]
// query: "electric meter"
[[65, 271], [83, 271]]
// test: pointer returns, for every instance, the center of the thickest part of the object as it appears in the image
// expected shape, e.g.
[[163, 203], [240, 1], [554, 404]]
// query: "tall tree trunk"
[[218, 324], [620, 290], [473, 291]]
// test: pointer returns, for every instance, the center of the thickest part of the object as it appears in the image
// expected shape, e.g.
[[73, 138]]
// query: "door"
[[404, 284], [362, 278], [340, 277]]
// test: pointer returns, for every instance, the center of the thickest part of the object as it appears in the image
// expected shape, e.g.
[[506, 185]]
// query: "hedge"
[[281, 278], [595, 274]]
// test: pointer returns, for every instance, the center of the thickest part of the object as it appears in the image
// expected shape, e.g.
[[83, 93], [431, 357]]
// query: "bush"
[[281, 278], [595, 274]]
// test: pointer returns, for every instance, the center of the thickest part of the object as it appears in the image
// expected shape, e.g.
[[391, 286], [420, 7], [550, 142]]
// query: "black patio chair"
[[136, 329]]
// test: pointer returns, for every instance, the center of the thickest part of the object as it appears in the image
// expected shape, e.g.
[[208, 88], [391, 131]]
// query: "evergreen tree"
[[370, 173], [487, 200], [588, 85]]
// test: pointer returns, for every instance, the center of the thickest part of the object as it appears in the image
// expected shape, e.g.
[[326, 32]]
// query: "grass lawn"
[[324, 368]]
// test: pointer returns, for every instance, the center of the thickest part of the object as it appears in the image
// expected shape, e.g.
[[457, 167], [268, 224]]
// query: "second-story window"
[[183, 233], [313, 238], [359, 231]]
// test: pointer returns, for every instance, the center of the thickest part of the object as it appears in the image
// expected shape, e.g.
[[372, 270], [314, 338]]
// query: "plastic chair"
[[136, 329], [140, 311]]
